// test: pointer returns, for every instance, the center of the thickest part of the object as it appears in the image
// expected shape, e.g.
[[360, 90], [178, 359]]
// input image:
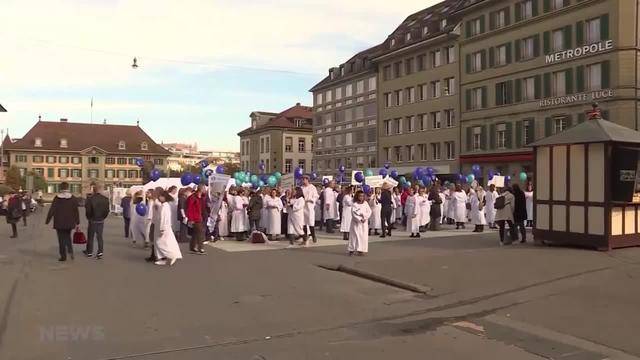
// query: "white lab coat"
[[489, 209], [443, 199], [347, 203], [413, 214], [424, 206], [310, 196], [173, 205], [528, 195], [239, 219], [330, 204], [477, 214], [223, 220], [149, 220], [166, 245], [274, 218], [296, 211], [375, 220], [397, 200], [359, 230], [263, 212], [451, 204], [460, 206]]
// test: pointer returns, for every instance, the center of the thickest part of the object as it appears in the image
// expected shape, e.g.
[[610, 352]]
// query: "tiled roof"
[[285, 120], [2, 109], [592, 131], [82, 136], [358, 67]]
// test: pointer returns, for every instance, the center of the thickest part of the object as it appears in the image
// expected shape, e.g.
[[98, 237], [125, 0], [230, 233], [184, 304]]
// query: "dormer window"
[[253, 124], [393, 42], [122, 145], [63, 143], [299, 122], [443, 23], [425, 30], [332, 74], [341, 70], [144, 146], [38, 142], [407, 36]]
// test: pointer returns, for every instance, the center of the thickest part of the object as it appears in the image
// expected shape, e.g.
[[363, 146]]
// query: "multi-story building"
[[281, 141], [532, 68], [344, 116], [418, 101], [80, 153]]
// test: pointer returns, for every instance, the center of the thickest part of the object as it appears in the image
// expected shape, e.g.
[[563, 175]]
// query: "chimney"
[[104, 122], [297, 104], [64, 120]]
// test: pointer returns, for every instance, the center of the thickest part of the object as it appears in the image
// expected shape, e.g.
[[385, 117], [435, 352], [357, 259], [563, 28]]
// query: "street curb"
[[378, 278]]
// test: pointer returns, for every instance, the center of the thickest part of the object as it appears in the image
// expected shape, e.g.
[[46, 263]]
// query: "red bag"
[[79, 238], [258, 238]]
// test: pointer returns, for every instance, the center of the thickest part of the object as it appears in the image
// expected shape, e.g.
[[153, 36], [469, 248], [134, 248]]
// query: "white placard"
[[327, 177], [287, 181], [375, 181], [389, 180], [497, 180]]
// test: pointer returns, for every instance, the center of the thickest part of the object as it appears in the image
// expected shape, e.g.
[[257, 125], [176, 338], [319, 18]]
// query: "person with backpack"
[[66, 217], [504, 206]]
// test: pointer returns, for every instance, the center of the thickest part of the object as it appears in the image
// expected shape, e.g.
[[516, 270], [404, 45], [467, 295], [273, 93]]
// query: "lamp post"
[[2, 109]]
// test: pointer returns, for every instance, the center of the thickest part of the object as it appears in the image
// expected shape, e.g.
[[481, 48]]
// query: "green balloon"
[[254, 179], [523, 176], [368, 172], [238, 182], [272, 181], [278, 175]]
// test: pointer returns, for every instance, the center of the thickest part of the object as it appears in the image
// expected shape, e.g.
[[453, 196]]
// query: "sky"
[[204, 65]]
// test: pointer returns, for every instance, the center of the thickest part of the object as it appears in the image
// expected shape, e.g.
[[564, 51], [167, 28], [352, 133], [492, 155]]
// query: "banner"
[[287, 181], [217, 187], [389, 180], [375, 181], [497, 180]]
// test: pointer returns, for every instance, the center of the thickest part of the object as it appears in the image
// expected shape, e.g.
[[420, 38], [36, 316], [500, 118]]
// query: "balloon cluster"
[[257, 181], [424, 176]]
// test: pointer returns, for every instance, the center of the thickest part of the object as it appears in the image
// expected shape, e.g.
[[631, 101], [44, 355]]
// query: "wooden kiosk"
[[586, 188]]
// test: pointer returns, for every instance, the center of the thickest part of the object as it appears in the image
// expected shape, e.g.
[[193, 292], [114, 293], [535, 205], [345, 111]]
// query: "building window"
[[421, 61], [526, 9], [302, 164], [411, 152], [133, 174], [38, 159], [302, 145], [327, 96], [422, 92], [51, 159], [477, 95], [559, 124], [144, 146], [435, 89], [450, 54], [449, 118], [393, 42], [409, 66], [372, 83], [559, 83], [398, 97], [410, 93], [501, 55], [529, 88], [499, 19], [94, 160], [450, 150], [93, 173], [526, 131], [501, 136], [159, 162], [411, 123], [398, 153], [557, 40], [122, 161], [557, 4], [63, 143], [397, 69], [422, 150], [387, 127], [477, 138], [338, 93], [592, 28], [398, 126], [38, 142], [387, 100], [594, 77], [21, 158], [109, 174], [503, 93], [110, 161], [319, 99], [436, 58], [288, 164], [449, 86], [476, 61], [50, 173], [435, 151], [76, 160], [425, 30], [288, 144], [386, 73], [38, 171], [475, 27], [443, 23], [436, 122], [527, 48]]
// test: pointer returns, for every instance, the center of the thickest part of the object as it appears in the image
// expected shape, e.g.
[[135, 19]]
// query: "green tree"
[[13, 178], [39, 182]]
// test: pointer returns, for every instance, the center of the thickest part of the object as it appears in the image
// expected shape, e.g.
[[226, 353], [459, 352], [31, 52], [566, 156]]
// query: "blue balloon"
[[262, 166], [197, 179], [470, 178], [207, 173], [186, 179], [219, 169], [394, 174], [420, 183], [490, 174], [359, 176], [238, 182], [387, 165], [383, 172], [140, 162], [155, 175], [204, 164], [141, 209], [341, 168], [367, 189], [430, 171], [419, 172], [254, 179], [261, 183], [507, 179], [298, 173], [314, 175], [325, 181]]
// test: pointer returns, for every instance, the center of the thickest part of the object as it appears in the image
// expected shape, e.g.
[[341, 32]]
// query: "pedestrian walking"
[[255, 211], [296, 210], [97, 210], [12, 209], [138, 228], [435, 212], [125, 204], [26, 207], [173, 205], [183, 233], [166, 246], [504, 215], [375, 221], [490, 210], [528, 194], [273, 205], [330, 207], [66, 217], [520, 211], [310, 197], [359, 230]]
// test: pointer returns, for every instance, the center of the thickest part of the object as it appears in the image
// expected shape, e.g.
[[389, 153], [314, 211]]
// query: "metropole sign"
[[579, 52]]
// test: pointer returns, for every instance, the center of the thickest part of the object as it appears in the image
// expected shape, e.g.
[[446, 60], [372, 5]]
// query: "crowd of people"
[[174, 215]]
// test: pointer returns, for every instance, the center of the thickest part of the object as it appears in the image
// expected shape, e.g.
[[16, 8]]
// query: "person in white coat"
[[477, 209], [295, 226], [330, 206], [347, 203], [273, 204], [528, 195], [359, 229], [223, 220], [397, 199], [424, 208], [459, 200], [451, 208], [375, 221], [166, 245], [138, 222], [239, 219], [148, 221], [310, 197], [490, 210], [412, 212], [173, 204], [504, 216]]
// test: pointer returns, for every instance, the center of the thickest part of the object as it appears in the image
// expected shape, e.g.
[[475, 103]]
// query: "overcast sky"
[[205, 65]]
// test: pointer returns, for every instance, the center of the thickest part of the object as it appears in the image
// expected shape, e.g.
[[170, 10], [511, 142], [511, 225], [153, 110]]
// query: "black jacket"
[[97, 208], [436, 201], [64, 211], [520, 206], [255, 207], [386, 200]]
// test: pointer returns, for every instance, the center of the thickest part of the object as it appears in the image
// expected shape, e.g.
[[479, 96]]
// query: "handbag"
[[79, 237]]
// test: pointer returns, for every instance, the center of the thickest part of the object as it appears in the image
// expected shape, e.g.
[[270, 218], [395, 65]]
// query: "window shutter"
[[483, 137], [547, 85], [519, 126], [604, 27], [509, 99], [537, 85], [492, 21], [484, 97], [468, 63], [605, 67], [467, 29], [517, 47], [567, 37], [469, 138], [548, 127], [569, 121], [468, 99], [579, 33], [581, 118], [483, 59], [536, 45], [492, 136], [569, 81], [482, 24], [508, 50], [507, 16], [534, 5], [518, 12], [508, 139], [546, 5], [499, 99], [546, 42], [532, 131], [580, 78], [518, 90], [492, 55]]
